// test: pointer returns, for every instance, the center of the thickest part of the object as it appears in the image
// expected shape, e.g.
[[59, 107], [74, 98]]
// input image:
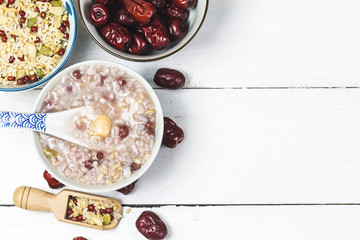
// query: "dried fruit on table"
[[128, 189], [173, 135], [151, 226], [169, 78], [53, 183]]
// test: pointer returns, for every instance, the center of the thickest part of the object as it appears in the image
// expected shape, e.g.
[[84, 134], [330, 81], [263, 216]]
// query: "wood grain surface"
[[271, 115]]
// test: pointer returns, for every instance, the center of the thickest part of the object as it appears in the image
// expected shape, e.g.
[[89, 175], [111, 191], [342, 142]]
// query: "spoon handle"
[[33, 121], [33, 199]]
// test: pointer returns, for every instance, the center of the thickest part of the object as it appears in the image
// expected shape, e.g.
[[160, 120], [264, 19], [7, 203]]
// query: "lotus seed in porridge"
[[119, 119]]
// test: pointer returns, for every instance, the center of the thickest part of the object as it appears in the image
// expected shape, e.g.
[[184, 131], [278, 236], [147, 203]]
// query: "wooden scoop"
[[38, 200]]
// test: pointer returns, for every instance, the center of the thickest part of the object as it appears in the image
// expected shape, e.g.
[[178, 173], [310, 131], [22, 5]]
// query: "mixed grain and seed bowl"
[[36, 38]]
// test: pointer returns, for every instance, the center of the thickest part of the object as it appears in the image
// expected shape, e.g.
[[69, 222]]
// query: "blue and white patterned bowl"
[[72, 37]]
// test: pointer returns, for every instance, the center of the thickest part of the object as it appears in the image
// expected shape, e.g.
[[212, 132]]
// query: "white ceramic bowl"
[[70, 8], [159, 129], [196, 18]]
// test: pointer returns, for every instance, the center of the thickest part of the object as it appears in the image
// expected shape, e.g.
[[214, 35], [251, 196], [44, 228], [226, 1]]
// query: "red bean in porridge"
[[118, 121]]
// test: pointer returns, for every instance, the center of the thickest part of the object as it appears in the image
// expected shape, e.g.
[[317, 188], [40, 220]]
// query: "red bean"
[[62, 28], [22, 13], [11, 59], [76, 74], [80, 218], [79, 238], [91, 207], [66, 23], [22, 20], [69, 211], [26, 78], [4, 38], [66, 36], [36, 9], [10, 78], [69, 89], [109, 210], [33, 78], [61, 51], [123, 132], [89, 164], [2, 33], [134, 166], [149, 125], [43, 14], [11, 1], [34, 28], [37, 40], [121, 82], [20, 81], [99, 155]]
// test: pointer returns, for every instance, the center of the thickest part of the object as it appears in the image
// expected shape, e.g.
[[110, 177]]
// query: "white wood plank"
[[251, 223], [262, 43], [241, 146]]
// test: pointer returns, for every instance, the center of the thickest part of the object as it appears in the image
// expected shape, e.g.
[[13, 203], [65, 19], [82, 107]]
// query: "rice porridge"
[[118, 120]]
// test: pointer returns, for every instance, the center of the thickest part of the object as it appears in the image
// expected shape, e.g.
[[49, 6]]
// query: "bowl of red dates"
[[142, 30]]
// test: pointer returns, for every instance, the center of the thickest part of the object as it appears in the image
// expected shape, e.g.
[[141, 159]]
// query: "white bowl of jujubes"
[[143, 30]]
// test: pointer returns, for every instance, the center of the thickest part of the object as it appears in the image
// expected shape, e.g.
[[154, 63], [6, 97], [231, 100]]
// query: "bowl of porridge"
[[120, 119]]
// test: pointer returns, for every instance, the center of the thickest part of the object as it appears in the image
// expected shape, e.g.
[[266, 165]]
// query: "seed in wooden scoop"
[[107, 218], [92, 217], [101, 126]]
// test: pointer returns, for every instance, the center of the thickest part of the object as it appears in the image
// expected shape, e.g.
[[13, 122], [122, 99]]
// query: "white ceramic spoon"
[[57, 124]]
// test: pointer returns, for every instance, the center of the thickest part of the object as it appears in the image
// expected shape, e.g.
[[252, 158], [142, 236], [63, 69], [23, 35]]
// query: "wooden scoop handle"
[[33, 199]]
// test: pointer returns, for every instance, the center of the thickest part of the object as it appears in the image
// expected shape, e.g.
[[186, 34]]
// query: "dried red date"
[[178, 13], [140, 9], [177, 28], [117, 35], [124, 17], [151, 226], [79, 238], [99, 15], [169, 78], [156, 33], [158, 3], [105, 2], [128, 189], [139, 45], [186, 4], [173, 135], [53, 183]]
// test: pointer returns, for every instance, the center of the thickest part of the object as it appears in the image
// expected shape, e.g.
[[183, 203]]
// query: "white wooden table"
[[271, 113]]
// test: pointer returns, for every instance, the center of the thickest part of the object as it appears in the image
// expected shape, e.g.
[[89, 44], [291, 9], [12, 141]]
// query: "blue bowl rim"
[[26, 87]]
